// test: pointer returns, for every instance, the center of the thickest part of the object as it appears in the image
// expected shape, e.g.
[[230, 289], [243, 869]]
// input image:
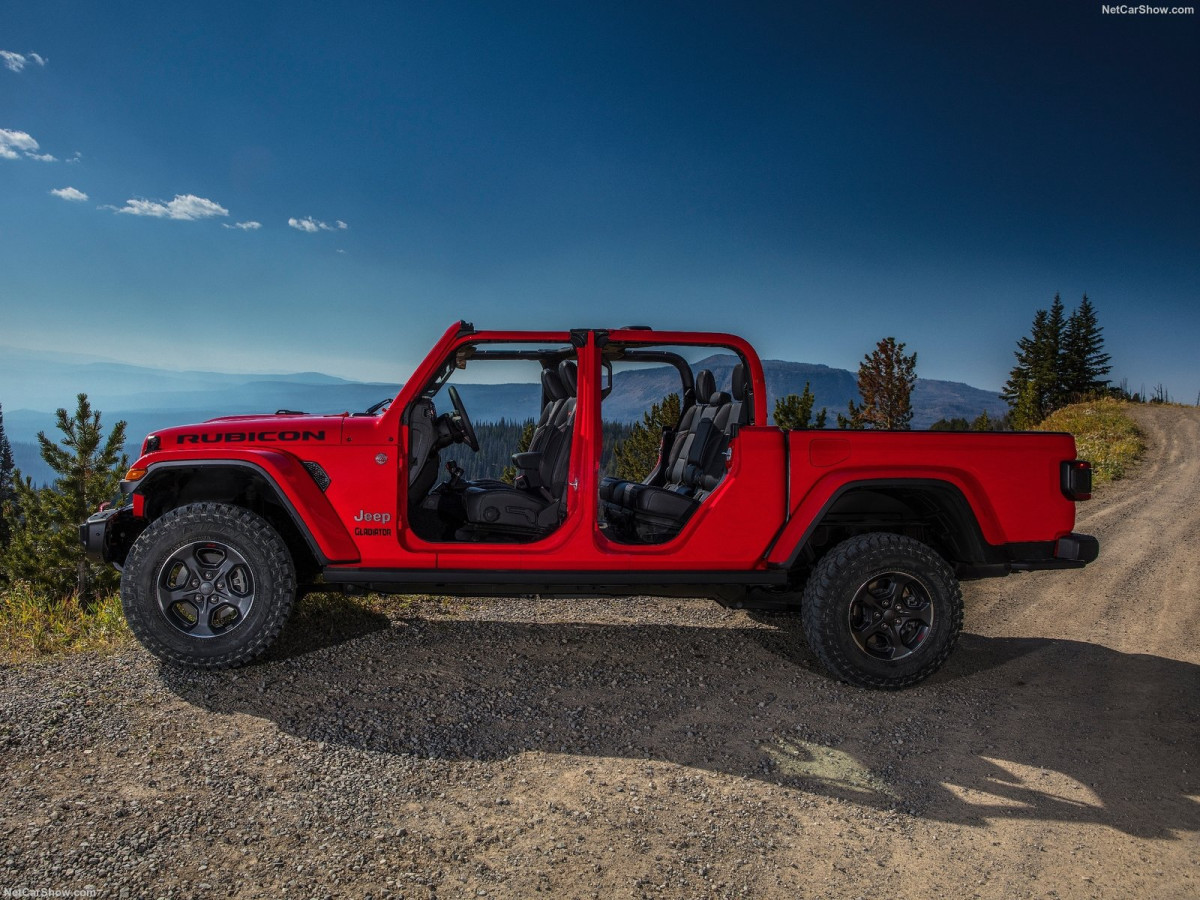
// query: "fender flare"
[[328, 542], [952, 500]]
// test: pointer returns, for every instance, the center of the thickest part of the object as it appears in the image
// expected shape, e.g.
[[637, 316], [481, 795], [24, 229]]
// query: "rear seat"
[[676, 444], [695, 465]]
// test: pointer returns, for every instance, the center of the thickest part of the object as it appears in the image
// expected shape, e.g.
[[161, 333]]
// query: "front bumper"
[[107, 535]]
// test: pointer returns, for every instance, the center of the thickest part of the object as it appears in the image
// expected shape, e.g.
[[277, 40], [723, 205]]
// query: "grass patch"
[[1104, 434], [32, 625]]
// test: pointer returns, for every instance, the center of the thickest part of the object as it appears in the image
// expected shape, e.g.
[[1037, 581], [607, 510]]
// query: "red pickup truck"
[[867, 532]]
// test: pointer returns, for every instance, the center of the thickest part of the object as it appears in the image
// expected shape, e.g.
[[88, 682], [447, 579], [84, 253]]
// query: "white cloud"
[[69, 193], [245, 226], [16, 62], [307, 224], [76, 158], [185, 207], [14, 143], [310, 225]]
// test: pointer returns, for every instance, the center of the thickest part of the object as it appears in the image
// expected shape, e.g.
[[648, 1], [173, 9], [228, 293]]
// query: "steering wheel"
[[463, 420]]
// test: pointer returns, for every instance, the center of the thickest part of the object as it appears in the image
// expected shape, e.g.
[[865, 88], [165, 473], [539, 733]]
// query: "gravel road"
[[647, 747]]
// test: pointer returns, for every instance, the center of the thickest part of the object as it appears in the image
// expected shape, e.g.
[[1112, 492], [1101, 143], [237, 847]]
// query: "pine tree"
[[1084, 361], [636, 455], [1034, 387], [1048, 370], [509, 474], [885, 380], [983, 422], [794, 413], [1026, 411], [44, 546], [958, 423], [1061, 360], [7, 483], [1022, 373], [853, 419]]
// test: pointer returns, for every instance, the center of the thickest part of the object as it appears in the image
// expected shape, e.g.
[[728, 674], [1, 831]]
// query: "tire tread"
[[823, 601], [258, 533]]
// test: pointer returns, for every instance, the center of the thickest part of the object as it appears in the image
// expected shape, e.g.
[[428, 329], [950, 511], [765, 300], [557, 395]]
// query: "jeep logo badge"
[[364, 516]]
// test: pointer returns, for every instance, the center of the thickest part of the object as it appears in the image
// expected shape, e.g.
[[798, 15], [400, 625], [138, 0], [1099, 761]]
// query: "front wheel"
[[882, 611], [208, 586]]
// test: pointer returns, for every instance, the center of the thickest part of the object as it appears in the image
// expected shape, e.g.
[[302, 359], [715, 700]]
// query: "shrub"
[[1104, 434]]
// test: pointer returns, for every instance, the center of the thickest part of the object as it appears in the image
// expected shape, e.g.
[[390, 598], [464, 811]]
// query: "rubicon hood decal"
[[247, 437]]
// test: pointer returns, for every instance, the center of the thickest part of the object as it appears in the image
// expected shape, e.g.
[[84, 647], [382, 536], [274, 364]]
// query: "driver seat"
[[533, 506]]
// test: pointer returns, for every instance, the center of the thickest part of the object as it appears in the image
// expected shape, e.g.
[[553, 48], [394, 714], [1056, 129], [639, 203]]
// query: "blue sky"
[[811, 176]]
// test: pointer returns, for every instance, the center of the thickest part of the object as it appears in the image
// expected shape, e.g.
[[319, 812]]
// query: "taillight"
[[1077, 479]]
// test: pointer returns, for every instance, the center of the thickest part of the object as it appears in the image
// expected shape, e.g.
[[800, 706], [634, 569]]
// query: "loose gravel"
[[628, 748]]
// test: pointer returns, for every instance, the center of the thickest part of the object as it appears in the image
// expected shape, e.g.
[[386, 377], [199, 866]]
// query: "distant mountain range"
[[32, 385]]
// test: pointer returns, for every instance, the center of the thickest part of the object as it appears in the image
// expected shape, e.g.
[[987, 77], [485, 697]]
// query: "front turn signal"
[[135, 474]]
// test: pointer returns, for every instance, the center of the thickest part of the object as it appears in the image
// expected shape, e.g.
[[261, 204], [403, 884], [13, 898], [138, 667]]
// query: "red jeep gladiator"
[[867, 532]]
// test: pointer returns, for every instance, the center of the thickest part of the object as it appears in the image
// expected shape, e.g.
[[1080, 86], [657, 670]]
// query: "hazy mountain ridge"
[[148, 398], [39, 380], [28, 459]]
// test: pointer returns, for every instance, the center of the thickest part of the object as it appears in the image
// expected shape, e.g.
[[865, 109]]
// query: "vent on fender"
[[318, 474]]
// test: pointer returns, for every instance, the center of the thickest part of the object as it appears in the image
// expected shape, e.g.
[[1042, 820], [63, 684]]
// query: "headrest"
[[567, 374], [741, 384], [705, 385], [552, 388], [719, 398]]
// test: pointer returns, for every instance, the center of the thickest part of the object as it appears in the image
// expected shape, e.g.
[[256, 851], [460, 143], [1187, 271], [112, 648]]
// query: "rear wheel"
[[208, 585], [882, 611]]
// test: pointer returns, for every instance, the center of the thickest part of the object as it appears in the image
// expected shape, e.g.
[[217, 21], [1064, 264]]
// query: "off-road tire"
[[832, 611], [246, 535]]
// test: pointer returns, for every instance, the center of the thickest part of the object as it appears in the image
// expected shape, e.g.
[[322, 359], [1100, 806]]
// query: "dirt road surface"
[[658, 748]]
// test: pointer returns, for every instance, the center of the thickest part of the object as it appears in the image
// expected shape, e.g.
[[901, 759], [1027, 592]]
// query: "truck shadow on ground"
[[1018, 728]]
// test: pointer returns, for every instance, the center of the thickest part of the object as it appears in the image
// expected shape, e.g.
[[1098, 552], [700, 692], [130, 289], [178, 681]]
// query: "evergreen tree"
[[1084, 361], [794, 413], [956, 424], [853, 419], [1061, 360], [1049, 363], [7, 482], [1027, 410], [509, 474], [1034, 386], [636, 455], [44, 546], [1021, 375], [885, 380], [983, 422]]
